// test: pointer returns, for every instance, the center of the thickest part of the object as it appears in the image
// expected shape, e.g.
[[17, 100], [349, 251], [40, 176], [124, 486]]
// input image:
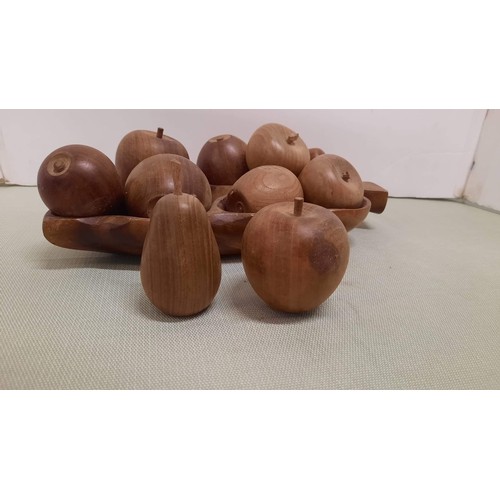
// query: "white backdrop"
[[418, 153], [483, 185]]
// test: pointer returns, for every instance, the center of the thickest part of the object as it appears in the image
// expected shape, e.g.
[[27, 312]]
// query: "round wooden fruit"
[[79, 181], [155, 177], [223, 159], [262, 186], [332, 182], [275, 144], [313, 152], [180, 263], [141, 144], [295, 255]]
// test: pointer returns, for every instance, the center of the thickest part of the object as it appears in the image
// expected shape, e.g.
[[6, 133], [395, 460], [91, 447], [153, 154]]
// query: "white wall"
[[421, 153], [483, 185]]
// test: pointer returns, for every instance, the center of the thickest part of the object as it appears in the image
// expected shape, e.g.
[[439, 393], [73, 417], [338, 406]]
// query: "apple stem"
[[58, 166], [159, 133], [292, 138], [298, 203], [178, 179]]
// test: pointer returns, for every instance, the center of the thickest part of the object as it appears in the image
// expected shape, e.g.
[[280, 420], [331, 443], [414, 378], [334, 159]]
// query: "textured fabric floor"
[[419, 308]]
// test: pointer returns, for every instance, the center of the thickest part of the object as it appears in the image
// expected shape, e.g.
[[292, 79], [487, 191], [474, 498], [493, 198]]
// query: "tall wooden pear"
[[180, 264]]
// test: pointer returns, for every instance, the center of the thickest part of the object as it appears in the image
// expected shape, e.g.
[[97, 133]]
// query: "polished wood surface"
[[377, 195], [141, 144], [219, 191], [295, 255], [154, 177], [180, 263], [332, 182], [120, 234], [276, 144], [313, 152], [228, 227], [262, 186], [353, 217], [125, 234], [223, 159], [79, 181]]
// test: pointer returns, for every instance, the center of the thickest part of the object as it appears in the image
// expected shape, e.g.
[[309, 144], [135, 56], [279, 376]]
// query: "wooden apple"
[[262, 186], [79, 181], [141, 144], [155, 177], [313, 152], [295, 255], [223, 159], [275, 144], [332, 182], [180, 263]]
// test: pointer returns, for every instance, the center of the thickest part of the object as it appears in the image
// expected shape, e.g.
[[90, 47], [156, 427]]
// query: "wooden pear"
[[180, 264]]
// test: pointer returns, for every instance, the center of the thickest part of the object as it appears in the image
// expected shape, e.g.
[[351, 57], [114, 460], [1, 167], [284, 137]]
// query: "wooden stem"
[[58, 166], [291, 139], [297, 206], [159, 133]]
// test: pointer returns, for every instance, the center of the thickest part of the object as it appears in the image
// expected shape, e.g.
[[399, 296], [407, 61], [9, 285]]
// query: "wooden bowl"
[[229, 226], [124, 234]]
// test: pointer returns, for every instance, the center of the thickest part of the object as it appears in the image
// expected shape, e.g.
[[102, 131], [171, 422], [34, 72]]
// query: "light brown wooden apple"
[[155, 177], [180, 264], [332, 182], [141, 144], [295, 255], [223, 159], [79, 181], [275, 144], [313, 152], [262, 186]]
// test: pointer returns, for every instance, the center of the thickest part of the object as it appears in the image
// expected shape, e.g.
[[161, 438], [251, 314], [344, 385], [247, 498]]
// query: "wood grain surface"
[[276, 144], [141, 144], [180, 264]]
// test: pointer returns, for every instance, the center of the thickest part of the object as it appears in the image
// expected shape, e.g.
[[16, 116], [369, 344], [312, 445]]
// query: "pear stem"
[[159, 133], [298, 203]]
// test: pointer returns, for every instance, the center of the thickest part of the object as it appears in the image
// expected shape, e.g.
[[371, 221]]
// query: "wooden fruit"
[[79, 181], [223, 159], [295, 255], [332, 182], [313, 152], [262, 186], [180, 264], [141, 144], [154, 177], [275, 144]]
